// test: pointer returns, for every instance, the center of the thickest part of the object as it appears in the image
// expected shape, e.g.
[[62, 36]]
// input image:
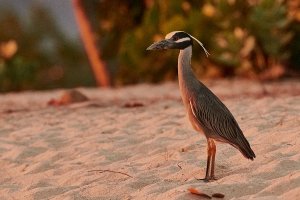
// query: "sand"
[[102, 149]]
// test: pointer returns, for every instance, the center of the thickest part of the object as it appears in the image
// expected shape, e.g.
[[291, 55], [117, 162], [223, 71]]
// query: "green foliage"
[[294, 46], [135, 64], [44, 58], [249, 38], [17, 74], [242, 38], [269, 23]]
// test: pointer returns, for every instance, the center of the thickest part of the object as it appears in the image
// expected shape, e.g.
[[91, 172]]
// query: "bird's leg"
[[208, 165], [208, 162], [212, 168]]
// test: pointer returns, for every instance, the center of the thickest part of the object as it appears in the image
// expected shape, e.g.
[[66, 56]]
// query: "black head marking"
[[182, 39], [176, 40]]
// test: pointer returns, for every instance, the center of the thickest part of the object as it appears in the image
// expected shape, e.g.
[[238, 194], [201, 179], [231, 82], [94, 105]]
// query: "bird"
[[206, 112]]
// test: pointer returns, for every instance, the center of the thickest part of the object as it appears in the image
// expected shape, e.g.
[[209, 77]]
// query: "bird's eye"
[[175, 38]]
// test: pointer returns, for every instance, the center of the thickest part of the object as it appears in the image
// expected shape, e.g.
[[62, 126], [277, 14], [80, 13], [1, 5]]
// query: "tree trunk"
[[94, 55]]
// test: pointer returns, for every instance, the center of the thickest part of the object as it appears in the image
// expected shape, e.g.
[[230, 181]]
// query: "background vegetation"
[[254, 39]]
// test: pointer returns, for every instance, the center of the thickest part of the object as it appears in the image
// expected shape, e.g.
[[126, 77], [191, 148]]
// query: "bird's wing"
[[215, 116]]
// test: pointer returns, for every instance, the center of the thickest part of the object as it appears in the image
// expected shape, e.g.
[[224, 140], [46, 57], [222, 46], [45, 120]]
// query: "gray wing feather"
[[214, 116]]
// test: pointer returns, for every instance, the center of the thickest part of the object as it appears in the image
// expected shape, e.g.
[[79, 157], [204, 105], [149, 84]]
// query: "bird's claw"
[[207, 179]]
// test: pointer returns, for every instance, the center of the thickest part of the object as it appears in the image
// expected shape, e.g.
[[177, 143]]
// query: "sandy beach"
[[136, 143]]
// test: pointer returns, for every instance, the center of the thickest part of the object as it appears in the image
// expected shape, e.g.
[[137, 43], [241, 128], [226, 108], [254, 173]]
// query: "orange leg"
[[213, 156], [210, 165]]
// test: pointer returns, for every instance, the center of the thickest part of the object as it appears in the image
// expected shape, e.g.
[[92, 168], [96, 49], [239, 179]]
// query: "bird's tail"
[[243, 145]]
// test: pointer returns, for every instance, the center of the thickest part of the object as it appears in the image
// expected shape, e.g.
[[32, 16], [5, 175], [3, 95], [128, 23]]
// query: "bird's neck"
[[185, 72], [186, 77], [184, 62]]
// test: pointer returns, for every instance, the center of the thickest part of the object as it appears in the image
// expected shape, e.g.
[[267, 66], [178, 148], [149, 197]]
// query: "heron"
[[206, 112]]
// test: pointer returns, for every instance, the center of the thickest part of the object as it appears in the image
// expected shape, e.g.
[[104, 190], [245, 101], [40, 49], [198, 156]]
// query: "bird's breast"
[[186, 101], [195, 123]]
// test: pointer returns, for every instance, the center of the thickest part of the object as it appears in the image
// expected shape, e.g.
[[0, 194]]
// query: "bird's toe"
[[207, 179]]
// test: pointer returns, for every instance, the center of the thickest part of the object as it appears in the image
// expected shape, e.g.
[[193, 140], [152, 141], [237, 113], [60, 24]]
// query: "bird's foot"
[[208, 179]]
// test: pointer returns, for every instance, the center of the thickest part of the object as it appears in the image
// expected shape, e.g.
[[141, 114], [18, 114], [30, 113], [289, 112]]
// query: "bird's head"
[[176, 40]]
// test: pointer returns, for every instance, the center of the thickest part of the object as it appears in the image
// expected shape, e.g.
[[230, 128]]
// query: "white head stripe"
[[169, 35], [183, 39]]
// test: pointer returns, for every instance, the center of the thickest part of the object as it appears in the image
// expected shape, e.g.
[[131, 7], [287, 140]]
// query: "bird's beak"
[[161, 45]]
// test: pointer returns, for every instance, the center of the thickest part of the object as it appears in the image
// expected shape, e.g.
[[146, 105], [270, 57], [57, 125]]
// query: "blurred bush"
[[245, 38], [256, 39], [37, 55]]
